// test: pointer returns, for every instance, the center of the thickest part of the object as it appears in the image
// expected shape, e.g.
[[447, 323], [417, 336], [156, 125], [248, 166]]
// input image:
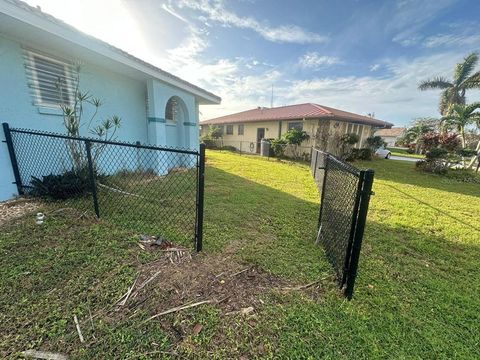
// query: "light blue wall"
[[121, 95]]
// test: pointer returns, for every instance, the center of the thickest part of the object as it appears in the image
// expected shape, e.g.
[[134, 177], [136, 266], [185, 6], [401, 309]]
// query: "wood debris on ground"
[[34, 354]]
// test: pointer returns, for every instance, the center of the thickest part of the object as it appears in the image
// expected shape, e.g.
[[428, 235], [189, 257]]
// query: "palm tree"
[[415, 133], [454, 90], [459, 116]]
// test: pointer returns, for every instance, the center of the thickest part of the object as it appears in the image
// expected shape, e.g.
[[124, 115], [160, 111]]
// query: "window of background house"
[[240, 129], [295, 125], [229, 129], [349, 128], [51, 79]]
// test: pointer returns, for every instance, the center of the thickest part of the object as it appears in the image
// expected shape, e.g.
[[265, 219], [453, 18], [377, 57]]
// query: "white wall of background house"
[[33, 45]]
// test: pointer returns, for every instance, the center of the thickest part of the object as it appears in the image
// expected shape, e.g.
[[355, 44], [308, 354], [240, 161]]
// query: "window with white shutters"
[[51, 80]]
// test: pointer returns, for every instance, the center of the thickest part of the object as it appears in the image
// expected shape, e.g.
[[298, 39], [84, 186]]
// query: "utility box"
[[265, 148]]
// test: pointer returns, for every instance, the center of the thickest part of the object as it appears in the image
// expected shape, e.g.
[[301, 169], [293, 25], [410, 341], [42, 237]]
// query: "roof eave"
[[41, 21]]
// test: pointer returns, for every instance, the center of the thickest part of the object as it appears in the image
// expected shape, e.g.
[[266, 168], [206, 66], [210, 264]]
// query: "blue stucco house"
[[36, 48]]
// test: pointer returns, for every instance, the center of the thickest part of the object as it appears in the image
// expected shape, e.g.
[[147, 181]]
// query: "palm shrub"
[[295, 138], [73, 120]]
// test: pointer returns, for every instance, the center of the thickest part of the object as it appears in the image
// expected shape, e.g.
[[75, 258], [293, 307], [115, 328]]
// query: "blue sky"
[[357, 55]]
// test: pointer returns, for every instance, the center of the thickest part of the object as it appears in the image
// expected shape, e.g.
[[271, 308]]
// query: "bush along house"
[[45, 63], [324, 126]]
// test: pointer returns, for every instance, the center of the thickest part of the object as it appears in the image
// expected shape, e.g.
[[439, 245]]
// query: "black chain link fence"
[[345, 195], [146, 189]]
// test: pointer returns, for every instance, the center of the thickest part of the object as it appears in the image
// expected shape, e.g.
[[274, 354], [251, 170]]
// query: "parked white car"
[[383, 153]]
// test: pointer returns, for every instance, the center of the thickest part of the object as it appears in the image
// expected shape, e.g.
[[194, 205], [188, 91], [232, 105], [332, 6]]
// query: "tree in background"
[[464, 78], [459, 116]]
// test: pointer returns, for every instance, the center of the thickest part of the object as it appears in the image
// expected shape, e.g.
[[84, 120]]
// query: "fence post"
[[353, 227], [91, 173], [200, 198], [13, 158], [322, 197], [315, 166], [357, 240]]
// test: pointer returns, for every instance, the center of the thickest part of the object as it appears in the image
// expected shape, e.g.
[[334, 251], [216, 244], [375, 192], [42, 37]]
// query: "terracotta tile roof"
[[292, 112], [393, 132]]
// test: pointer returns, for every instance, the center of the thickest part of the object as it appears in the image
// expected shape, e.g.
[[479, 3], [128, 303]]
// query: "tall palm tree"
[[454, 90], [459, 116]]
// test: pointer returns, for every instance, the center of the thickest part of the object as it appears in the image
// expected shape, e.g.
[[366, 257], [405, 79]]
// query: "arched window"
[[172, 109]]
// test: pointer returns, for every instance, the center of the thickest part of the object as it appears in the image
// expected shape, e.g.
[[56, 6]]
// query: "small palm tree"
[[454, 90], [460, 116]]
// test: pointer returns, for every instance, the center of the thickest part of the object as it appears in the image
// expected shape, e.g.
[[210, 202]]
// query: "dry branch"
[[127, 294], [79, 331], [118, 190], [179, 308], [44, 355], [239, 272]]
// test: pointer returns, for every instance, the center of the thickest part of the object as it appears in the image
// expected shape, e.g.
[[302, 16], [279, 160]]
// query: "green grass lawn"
[[417, 294], [404, 153]]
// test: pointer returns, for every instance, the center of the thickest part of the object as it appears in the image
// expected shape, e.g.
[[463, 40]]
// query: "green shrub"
[[278, 147], [360, 154], [467, 152], [229, 148], [435, 165], [70, 184], [375, 142], [436, 153], [210, 144]]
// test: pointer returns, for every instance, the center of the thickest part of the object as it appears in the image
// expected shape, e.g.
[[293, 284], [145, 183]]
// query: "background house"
[[391, 136], [323, 124], [37, 50]]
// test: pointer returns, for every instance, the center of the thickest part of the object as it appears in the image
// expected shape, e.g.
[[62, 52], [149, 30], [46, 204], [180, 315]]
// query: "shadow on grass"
[[405, 173], [262, 225]]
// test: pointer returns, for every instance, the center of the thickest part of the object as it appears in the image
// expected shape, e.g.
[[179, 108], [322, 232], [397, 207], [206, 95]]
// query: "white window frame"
[[31, 54], [291, 125]]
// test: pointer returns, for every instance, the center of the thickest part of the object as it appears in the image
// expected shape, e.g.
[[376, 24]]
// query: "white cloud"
[[452, 40], [313, 60], [215, 11], [393, 97], [375, 67]]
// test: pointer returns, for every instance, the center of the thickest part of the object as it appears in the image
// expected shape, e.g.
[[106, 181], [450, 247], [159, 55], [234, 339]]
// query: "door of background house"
[[260, 136]]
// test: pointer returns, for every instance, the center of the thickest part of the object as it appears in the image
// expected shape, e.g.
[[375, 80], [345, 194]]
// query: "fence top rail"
[[99, 141], [347, 167]]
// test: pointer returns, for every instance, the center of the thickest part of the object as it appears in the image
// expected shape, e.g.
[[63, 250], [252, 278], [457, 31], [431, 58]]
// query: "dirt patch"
[[178, 278], [13, 209]]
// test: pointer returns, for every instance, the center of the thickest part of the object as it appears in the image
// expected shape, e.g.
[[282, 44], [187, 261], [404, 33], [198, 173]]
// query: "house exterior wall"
[[121, 95], [324, 134], [390, 140]]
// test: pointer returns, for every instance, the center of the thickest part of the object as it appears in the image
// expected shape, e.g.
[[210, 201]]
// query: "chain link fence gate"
[[345, 195], [146, 189]]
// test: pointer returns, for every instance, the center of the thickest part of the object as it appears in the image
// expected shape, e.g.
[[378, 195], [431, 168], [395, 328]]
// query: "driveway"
[[404, 158]]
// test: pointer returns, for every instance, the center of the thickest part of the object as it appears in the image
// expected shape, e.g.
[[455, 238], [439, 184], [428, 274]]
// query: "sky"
[[364, 56]]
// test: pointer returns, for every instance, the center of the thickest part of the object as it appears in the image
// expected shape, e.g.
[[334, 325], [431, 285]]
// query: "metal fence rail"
[[345, 195], [146, 189]]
